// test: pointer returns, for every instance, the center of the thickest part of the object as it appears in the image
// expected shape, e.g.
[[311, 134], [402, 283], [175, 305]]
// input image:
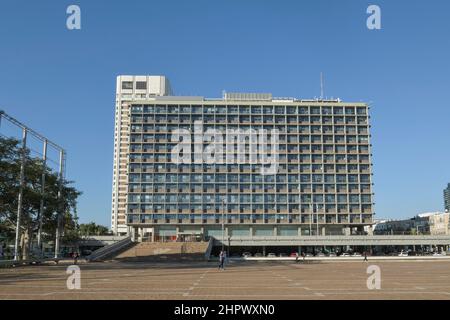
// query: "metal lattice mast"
[[25, 132]]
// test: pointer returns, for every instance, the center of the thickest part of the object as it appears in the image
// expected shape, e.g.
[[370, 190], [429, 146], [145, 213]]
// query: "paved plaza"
[[240, 280]]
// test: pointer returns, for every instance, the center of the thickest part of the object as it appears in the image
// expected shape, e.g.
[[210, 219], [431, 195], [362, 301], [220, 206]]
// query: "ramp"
[[111, 250]]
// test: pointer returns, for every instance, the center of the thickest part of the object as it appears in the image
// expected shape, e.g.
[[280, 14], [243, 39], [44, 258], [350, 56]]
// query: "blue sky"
[[62, 82]]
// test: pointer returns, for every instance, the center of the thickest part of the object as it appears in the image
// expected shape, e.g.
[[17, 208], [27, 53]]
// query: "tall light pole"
[[21, 187], [41, 208], [223, 224], [310, 219], [60, 214], [317, 221]]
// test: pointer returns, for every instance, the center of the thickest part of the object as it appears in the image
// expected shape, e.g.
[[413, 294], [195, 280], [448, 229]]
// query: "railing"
[[13, 263], [107, 250], [338, 240]]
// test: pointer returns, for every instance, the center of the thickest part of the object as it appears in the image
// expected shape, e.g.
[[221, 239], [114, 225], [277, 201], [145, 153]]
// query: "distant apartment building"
[[447, 198], [439, 223], [322, 183], [432, 223]]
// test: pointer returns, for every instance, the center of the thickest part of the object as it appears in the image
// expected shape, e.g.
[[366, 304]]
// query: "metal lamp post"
[[223, 224], [317, 221], [310, 219]]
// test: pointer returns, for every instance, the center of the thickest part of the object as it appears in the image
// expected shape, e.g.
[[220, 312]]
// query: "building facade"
[[260, 165], [447, 198], [431, 223], [128, 88]]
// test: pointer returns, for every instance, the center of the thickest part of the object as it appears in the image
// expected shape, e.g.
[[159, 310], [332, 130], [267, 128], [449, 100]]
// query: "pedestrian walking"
[[303, 256], [221, 260], [296, 257], [365, 256], [75, 256]]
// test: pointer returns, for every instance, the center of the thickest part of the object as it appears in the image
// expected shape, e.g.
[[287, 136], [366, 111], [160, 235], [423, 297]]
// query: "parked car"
[[320, 254], [246, 254], [356, 254], [258, 254], [403, 254], [271, 255], [293, 254], [282, 255], [345, 254], [332, 254]]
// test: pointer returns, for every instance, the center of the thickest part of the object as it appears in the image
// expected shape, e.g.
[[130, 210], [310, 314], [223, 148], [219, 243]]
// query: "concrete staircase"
[[164, 251]]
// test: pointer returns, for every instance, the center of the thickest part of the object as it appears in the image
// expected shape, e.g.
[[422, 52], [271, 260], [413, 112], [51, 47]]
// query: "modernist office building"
[[447, 198], [322, 183]]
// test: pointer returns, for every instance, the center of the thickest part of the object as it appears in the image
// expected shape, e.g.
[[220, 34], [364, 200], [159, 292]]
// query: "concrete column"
[[202, 230], [275, 231], [155, 229], [299, 231], [323, 231], [251, 231]]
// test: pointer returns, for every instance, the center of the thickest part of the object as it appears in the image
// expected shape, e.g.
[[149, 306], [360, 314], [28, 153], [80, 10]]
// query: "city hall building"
[[257, 165]]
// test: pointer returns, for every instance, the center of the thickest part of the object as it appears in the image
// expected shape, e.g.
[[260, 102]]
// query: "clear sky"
[[62, 82]]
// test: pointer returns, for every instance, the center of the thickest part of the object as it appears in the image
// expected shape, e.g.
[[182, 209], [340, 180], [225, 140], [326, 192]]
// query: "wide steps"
[[165, 251]]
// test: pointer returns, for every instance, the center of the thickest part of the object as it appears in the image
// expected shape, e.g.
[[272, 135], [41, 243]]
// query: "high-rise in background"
[[447, 198]]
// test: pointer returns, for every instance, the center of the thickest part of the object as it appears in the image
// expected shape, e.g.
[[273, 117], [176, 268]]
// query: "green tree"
[[91, 229], [10, 160]]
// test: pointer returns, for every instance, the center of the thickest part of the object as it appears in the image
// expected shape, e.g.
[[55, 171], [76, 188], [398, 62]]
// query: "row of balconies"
[[278, 125], [282, 132], [248, 109], [237, 171], [215, 167], [255, 211], [251, 221], [255, 192], [286, 154], [256, 120], [256, 171], [248, 190], [280, 160]]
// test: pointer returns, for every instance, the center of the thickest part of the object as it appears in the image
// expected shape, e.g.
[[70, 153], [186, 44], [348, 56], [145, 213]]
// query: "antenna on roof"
[[321, 86]]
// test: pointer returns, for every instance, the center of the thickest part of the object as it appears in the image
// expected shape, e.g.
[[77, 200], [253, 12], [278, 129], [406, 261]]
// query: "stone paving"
[[240, 280]]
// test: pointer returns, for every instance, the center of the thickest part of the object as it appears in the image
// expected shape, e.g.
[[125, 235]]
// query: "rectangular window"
[[141, 85], [127, 85]]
